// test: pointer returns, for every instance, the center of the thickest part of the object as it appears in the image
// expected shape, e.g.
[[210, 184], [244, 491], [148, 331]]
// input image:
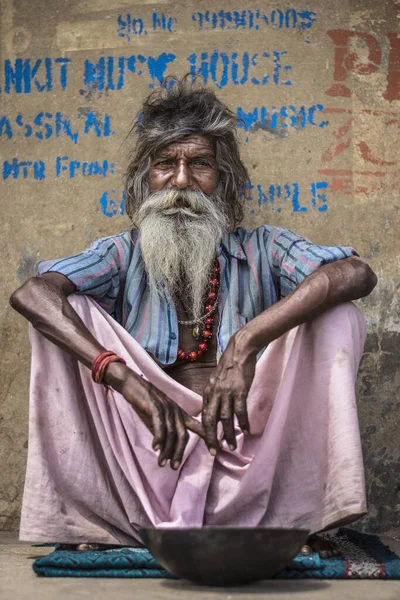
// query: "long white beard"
[[179, 234]]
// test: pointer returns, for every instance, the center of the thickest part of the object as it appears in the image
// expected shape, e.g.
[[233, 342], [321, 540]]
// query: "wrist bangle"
[[101, 362]]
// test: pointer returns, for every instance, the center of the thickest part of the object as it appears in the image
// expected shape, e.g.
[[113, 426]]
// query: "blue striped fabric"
[[258, 267]]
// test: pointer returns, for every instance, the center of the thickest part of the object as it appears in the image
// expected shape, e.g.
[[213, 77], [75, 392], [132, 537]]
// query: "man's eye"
[[201, 163], [163, 163]]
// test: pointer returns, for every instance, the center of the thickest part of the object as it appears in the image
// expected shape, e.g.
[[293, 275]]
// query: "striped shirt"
[[258, 267]]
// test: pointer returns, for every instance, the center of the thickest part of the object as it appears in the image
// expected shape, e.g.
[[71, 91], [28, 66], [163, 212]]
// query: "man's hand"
[[226, 395], [43, 301], [168, 423]]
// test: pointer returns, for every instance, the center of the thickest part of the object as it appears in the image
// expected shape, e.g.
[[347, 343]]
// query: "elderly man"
[[186, 327]]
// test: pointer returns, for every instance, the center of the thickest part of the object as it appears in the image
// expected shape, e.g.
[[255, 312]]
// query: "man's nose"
[[182, 177]]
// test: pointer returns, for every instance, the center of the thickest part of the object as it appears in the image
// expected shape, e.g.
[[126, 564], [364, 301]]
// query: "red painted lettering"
[[393, 77], [346, 61]]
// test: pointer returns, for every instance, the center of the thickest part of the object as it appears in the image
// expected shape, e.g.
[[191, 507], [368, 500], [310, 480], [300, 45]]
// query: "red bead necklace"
[[209, 321]]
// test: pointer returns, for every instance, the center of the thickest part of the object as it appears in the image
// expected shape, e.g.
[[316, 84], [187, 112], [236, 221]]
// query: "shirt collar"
[[231, 244]]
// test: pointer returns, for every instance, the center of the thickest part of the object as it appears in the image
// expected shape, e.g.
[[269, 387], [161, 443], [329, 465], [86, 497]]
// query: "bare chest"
[[194, 375]]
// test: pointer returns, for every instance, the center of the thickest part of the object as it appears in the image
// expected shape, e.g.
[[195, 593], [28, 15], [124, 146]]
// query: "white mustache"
[[172, 202], [181, 211]]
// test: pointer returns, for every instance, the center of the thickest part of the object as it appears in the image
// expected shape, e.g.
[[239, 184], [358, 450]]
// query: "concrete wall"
[[318, 86]]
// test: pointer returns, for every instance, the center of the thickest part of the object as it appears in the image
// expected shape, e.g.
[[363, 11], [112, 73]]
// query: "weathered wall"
[[318, 86]]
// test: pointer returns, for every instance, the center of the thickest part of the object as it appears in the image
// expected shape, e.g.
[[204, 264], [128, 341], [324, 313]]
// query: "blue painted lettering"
[[274, 119], [278, 195], [39, 122], [101, 128], [46, 125], [157, 66], [254, 19], [18, 169], [163, 22], [111, 207], [278, 198], [221, 68], [244, 66], [130, 27], [109, 73], [319, 201], [22, 75], [5, 127], [295, 200], [278, 67], [63, 125], [75, 168]]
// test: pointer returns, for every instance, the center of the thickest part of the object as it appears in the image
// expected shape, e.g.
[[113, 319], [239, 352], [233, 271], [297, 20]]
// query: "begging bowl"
[[223, 556]]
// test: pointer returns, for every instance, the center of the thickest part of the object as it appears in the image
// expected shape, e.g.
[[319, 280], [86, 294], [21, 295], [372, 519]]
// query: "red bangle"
[[101, 362]]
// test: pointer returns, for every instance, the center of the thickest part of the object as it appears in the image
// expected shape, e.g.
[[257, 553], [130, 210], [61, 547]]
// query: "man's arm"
[[226, 395], [329, 286], [43, 301]]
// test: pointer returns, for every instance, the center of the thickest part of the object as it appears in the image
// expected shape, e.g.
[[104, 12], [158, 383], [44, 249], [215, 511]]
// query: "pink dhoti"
[[92, 475]]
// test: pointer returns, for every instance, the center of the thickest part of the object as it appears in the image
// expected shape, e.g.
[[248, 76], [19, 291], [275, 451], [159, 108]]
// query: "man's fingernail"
[[163, 462], [157, 447], [176, 464], [213, 451], [231, 447], [246, 431]]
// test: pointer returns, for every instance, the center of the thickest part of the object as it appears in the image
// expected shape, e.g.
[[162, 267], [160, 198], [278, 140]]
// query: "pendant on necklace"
[[196, 332]]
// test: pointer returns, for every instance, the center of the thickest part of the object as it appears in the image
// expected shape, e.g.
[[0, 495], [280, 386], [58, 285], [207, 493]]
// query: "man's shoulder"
[[129, 235], [245, 234], [123, 241], [245, 242]]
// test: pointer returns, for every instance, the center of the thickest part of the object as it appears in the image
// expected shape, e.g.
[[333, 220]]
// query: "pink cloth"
[[92, 475]]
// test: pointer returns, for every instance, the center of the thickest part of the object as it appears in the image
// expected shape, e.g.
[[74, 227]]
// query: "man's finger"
[[170, 437], [209, 420], [240, 410], [157, 428], [182, 438], [194, 425], [226, 418]]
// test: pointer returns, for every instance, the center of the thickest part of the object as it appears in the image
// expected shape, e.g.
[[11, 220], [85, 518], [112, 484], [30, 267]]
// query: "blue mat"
[[362, 556]]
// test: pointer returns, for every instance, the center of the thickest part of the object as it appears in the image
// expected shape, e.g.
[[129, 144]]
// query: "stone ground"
[[18, 582]]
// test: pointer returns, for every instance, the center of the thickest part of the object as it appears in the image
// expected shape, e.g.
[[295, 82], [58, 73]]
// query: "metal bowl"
[[224, 555]]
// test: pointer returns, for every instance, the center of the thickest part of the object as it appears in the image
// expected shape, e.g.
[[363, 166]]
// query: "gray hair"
[[179, 109]]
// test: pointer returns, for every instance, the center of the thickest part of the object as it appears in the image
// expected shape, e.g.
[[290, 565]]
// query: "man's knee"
[[346, 317], [87, 308], [350, 312]]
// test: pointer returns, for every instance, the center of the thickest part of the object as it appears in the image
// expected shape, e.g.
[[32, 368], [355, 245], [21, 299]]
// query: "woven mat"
[[362, 556]]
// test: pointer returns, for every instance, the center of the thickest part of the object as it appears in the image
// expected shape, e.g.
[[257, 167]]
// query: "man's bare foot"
[[85, 547], [325, 548]]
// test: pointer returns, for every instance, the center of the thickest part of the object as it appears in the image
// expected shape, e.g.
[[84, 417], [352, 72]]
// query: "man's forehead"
[[193, 144]]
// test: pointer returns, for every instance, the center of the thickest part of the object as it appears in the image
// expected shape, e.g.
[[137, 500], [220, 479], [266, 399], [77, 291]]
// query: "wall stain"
[[85, 110], [27, 264], [93, 93], [276, 131], [378, 393]]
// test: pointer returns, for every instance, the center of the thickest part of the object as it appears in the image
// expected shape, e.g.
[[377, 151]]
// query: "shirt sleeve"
[[292, 258], [98, 271]]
